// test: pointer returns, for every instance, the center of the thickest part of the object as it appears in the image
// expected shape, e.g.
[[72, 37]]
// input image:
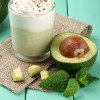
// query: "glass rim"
[[21, 14]]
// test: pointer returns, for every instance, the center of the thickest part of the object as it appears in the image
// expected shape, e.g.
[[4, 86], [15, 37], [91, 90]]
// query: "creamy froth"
[[31, 6]]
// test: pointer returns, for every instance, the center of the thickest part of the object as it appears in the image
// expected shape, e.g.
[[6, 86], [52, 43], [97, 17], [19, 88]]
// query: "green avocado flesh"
[[72, 64]]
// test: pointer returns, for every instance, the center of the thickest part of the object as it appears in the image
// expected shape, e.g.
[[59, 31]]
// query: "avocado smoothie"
[[31, 23]]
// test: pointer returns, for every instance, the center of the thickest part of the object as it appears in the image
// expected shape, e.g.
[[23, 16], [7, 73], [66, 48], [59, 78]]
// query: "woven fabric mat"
[[8, 61]]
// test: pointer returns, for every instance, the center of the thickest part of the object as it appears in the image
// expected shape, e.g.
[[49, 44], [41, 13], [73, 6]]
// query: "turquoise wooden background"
[[84, 10]]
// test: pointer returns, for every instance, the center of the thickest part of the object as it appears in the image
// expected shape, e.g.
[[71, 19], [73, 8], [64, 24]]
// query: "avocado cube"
[[17, 74], [44, 74], [34, 70]]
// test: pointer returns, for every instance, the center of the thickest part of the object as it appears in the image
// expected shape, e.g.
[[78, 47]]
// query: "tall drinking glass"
[[31, 34]]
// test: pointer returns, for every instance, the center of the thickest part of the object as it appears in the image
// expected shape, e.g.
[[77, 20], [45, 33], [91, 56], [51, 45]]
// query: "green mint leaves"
[[84, 77], [83, 72], [72, 87], [56, 81]]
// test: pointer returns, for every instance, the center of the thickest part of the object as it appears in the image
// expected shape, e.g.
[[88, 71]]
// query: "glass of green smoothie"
[[31, 24]]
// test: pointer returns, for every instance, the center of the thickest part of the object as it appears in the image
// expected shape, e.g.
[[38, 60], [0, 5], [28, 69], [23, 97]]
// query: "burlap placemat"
[[8, 61]]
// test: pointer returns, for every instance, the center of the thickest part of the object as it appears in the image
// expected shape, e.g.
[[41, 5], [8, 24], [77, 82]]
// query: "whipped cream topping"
[[31, 6]]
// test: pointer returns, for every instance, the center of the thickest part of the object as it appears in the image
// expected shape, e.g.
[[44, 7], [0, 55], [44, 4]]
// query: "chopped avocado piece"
[[44, 74], [34, 70], [70, 54], [17, 74]]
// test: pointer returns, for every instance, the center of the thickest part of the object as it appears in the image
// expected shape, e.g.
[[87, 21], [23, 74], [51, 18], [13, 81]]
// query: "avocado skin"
[[3, 9], [6, 2], [73, 68]]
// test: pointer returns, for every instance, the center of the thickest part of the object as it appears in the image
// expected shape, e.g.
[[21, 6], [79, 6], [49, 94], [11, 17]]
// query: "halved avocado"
[[72, 64]]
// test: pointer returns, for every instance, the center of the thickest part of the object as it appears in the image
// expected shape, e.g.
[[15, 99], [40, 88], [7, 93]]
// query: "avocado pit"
[[73, 46]]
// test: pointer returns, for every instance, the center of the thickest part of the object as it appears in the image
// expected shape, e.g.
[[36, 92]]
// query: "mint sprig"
[[60, 80], [56, 81]]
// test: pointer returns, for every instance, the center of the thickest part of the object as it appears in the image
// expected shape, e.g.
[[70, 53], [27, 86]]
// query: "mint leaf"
[[56, 81], [84, 78], [87, 79], [83, 72], [72, 87]]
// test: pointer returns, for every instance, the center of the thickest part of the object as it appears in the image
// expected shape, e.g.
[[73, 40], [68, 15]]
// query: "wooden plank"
[[61, 7], [37, 95], [6, 94], [4, 30], [88, 11]]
